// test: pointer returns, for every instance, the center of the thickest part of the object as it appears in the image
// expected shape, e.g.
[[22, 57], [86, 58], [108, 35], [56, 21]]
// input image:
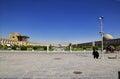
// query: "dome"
[[107, 36]]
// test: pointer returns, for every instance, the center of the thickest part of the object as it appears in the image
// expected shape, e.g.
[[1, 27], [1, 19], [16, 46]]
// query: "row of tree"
[[39, 48], [51, 48]]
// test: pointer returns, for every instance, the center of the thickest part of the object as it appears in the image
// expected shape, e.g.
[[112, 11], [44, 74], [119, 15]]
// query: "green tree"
[[95, 47], [35, 47], [70, 45], [45, 48], [23, 48], [51, 47], [4, 47], [118, 47], [14, 47], [1, 46]]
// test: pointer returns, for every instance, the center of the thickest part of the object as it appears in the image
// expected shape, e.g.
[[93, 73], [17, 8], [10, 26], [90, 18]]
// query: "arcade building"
[[15, 39]]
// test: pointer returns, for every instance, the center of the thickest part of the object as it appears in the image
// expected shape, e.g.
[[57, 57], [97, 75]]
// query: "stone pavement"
[[42, 65]]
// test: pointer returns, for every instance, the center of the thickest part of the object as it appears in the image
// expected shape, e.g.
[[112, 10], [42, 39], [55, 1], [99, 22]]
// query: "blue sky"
[[59, 21]]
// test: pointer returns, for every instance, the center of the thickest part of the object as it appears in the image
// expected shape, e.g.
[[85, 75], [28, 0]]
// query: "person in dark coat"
[[95, 54]]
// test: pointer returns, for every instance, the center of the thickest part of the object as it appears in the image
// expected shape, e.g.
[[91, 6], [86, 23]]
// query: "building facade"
[[15, 39], [8, 42], [114, 42]]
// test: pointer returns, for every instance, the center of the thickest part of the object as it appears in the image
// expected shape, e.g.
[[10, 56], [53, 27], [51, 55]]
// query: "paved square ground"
[[42, 65]]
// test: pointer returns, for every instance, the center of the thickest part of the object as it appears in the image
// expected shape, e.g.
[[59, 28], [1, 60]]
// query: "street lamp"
[[101, 32]]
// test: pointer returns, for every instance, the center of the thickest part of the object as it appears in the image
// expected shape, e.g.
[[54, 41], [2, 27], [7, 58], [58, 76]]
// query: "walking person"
[[95, 54]]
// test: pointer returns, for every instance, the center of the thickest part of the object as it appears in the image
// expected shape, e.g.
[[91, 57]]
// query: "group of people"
[[95, 54]]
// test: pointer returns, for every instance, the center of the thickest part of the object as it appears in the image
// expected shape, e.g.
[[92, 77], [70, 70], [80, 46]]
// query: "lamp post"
[[101, 32]]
